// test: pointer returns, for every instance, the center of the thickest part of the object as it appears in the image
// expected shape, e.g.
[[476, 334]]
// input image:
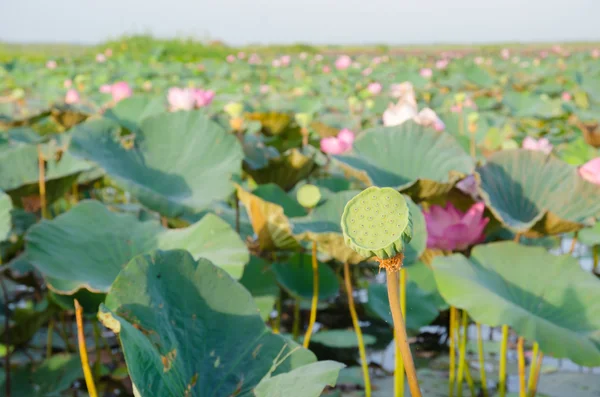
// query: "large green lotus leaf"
[[51, 378], [130, 112], [188, 329], [5, 217], [262, 284], [341, 339], [543, 297], [181, 162], [274, 194], [271, 226], [284, 170], [421, 161], [306, 381], [524, 104], [296, 276], [88, 246], [421, 307], [323, 226], [19, 167], [532, 192]]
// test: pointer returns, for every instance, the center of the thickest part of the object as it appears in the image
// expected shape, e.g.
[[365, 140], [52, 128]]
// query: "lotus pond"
[[300, 224]]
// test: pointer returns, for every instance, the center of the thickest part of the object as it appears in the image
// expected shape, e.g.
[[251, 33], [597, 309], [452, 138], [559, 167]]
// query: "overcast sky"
[[309, 21]]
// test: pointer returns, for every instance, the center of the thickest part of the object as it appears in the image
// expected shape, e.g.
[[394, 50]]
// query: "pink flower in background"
[[367, 71], [120, 90], [595, 53], [51, 64], [71, 97], [241, 55], [100, 58], [68, 83], [106, 88], [479, 60], [404, 90], [426, 73], [203, 97], [318, 57], [590, 171], [468, 185], [181, 99], [374, 88], [338, 144], [264, 89], [505, 53], [326, 69], [539, 145], [399, 113], [376, 60], [276, 63], [343, 62], [254, 59], [565, 96], [285, 60], [230, 58], [441, 64], [147, 86], [450, 229], [108, 52], [429, 118], [544, 54], [303, 56]]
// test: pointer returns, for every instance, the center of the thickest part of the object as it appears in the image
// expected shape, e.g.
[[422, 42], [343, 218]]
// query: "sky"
[[240, 22]]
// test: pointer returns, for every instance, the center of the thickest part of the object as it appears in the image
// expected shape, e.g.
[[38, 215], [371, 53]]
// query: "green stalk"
[[399, 374], [315, 298], [521, 360], [533, 365], [482, 373], [452, 331], [595, 250], [49, 338], [361, 343], [503, 353], [462, 354], [296, 323], [536, 376], [400, 333], [277, 320]]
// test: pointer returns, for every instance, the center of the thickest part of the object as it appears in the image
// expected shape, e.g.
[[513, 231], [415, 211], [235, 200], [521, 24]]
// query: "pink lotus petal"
[[565, 96], [346, 136], [374, 88], [121, 90], [203, 98], [180, 99], [426, 73], [590, 171], [331, 145], [100, 58], [51, 64], [71, 97], [343, 62], [450, 229], [68, 83], [106, 88]]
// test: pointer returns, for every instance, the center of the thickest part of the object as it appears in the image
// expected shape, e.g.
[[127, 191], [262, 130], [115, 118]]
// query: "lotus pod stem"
[[482, 374], [503, 352], [452, 336], [536, 377], [315, 297], [85, 364], [361, 343], [462, 354], [521, 363], [399, 380], [42, 182]]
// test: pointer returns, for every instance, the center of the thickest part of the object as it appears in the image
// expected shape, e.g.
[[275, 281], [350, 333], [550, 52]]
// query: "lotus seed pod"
[[308, 196], [303, 119], [377, 222], [234, 109]]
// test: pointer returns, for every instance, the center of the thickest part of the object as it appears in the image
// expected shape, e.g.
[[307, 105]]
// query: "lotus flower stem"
[[451, 332], [277, 320], [315, 297], [296, 323], [75, 193], [400, 332], [49, 337], [399, 374], [42, 183], [361, 343], [595, 250], [462, 354], [97, 367], [573, 243], [536, 377], [236, 200], [7, 379], [532, 365], [482, 374], [521, 360], [503, 352], [469, 380], [85, 364]]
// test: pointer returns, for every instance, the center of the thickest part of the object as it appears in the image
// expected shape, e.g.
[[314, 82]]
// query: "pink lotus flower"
[[181, 99], [326, 69], [285, 60], [303, 56], [203, 97], [68, 83], [376, 60], [565, 96], [450, 229], [108, 52], [426, 73], [595, 53], [51, 64], [429, 118], [276, 63], [254, 59], [441, 64], [338, 144], [100, 58], [120, 90], [539, 145], [479, 60], [106, 88], [544, 54], [241, 55], [318, 57], [590, 171], [399, 113], [230, 58], [505, 53], [374, 88], [343, 62], [71, 97], [367, 71], [404, 90], [264, 89], [468, 185]]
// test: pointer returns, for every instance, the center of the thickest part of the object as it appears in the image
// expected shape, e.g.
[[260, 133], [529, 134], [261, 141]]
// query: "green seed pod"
[[308, 196], [377, 222], [303, 119]]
